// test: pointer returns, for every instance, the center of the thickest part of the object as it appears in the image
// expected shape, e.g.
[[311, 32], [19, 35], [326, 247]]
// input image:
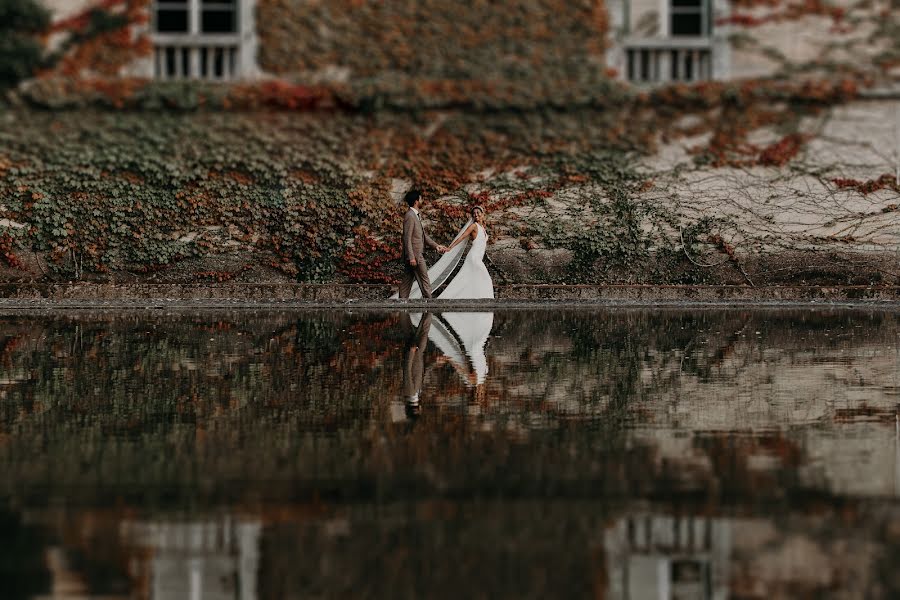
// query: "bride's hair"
[[477, 207]]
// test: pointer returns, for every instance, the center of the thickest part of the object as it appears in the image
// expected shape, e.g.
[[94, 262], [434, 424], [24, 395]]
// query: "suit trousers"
[[415, 273]]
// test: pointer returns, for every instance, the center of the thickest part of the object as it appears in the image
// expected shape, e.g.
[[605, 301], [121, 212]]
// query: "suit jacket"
[[414, 237]]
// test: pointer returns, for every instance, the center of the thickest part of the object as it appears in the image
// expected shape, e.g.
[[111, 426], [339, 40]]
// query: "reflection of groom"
[[414, 361], [414, 241], [413, 372]]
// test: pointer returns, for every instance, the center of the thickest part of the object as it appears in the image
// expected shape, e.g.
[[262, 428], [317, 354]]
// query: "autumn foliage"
[[102, 39], [780, 11], [491, 107], [886, 181]]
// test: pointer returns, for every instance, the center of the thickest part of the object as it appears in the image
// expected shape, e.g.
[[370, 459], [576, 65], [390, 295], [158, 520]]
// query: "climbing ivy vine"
[[307, 191]]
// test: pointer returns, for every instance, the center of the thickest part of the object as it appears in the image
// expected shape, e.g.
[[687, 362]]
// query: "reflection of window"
[[688, 18], [196, 39]]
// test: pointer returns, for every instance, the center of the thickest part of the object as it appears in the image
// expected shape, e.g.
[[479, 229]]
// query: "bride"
[[472, 280]]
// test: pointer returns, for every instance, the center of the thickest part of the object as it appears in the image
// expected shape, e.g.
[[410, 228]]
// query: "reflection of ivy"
[[317, 338], [168, 410]]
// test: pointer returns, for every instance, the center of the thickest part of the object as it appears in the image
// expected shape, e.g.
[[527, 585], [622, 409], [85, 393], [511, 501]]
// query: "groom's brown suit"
[[414, 241]]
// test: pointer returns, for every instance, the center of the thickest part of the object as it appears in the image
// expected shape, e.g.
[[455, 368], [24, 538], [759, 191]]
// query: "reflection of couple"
[[471, 281], [459, 336]]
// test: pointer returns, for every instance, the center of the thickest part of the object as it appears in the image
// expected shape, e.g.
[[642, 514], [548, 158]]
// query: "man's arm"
[[432, 243]]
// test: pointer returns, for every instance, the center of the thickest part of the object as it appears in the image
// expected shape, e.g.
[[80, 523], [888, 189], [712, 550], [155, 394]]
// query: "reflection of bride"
[[473, 279], [461, 338]]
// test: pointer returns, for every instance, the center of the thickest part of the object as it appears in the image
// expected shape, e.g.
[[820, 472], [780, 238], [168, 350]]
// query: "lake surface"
[[609, 454]]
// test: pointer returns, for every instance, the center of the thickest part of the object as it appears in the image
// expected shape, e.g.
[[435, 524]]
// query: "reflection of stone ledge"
[[376, 296]]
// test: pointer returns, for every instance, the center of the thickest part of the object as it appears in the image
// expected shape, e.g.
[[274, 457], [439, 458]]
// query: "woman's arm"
[[470, 232]]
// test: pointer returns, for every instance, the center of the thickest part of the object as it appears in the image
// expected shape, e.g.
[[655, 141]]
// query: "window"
[[171, 17], [195, 16], [218, 17], [682, 51], [688, 18], [196, 39]]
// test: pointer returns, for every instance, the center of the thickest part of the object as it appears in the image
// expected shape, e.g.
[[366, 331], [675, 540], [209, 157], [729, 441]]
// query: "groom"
[[414, 242]]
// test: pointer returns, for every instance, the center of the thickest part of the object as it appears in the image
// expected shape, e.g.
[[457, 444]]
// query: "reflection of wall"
[[489, 548], [764, 387], [848, 391], [659, 556], [664, 382], [802, 554], [201, 559]]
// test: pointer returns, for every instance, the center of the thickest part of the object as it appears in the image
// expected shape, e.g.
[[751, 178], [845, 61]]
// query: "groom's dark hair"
[[412, 196]]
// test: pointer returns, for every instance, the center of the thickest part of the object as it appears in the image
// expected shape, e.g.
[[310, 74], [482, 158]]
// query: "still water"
[[611, 454]]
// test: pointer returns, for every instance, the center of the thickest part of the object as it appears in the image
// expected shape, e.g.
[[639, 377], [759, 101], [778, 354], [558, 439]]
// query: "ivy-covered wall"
[[814, 38], [538, 41], [585, 179], [572, 195]]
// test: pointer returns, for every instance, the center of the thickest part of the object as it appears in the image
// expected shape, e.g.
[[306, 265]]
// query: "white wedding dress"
[[473, 279], [471, 282]]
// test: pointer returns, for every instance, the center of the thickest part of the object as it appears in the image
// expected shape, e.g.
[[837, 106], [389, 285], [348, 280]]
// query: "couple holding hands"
[[472, 281]]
